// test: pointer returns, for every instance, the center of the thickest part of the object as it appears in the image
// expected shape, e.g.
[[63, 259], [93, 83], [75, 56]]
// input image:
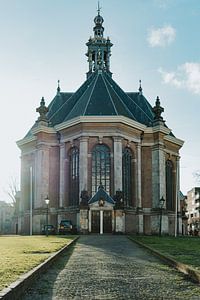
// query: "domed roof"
[[98, 20]]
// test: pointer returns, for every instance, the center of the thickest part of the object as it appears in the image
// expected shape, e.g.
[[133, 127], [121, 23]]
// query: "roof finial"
[[42, 110], [58, 88], [140, 87], [98, 9], [158, 110]]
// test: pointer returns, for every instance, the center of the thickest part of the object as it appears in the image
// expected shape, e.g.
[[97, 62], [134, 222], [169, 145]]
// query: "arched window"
[[100, 168], [74, 177], [127, 176], [169, 185]]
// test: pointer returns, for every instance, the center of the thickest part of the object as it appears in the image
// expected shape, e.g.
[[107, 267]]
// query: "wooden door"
[[95, 228], [107, 221]]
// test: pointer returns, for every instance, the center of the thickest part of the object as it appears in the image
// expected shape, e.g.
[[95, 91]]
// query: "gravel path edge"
[[181, 267], [17, 288]]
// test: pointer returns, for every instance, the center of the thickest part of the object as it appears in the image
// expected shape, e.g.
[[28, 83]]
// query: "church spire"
[[98, 47]]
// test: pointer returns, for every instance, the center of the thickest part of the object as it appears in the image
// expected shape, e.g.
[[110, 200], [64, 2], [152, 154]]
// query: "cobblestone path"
[[111, 267]]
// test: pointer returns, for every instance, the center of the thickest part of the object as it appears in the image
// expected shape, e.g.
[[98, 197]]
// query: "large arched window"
[[100, 168], [74, 177], [169, 185], [127, 176]]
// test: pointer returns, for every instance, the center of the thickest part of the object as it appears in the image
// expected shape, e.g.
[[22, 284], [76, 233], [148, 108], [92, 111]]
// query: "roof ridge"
[[126, 107], [74, 107], [132, 100], [109, 95], [90, 95], [147, 104], [71, 96]]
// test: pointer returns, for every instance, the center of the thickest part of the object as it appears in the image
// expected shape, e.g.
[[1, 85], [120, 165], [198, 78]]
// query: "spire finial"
[[98, 9], [58, 88], [140, 87]]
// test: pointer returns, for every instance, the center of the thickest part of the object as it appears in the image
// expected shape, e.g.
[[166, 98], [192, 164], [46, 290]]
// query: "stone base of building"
[[104, 220]]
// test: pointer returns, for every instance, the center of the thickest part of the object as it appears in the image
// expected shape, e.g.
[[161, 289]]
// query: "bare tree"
[[196, 175], [12, 192]]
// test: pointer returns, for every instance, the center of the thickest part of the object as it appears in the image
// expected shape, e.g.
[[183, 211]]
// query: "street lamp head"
[[162, 201], [47, 200]]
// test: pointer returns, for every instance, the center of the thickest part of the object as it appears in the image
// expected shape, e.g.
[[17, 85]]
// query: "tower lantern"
[[98, 48]]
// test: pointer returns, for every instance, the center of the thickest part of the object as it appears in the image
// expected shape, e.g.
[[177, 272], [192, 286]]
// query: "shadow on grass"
[[42, 287]]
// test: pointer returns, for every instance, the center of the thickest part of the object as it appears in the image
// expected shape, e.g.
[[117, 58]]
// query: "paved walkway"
[[111, 267]]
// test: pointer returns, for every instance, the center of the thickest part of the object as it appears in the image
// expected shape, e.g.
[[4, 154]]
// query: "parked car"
[[66, 227], [51, 229]]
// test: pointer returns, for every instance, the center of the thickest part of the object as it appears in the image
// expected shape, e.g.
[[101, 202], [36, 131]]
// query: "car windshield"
[[66, 223]]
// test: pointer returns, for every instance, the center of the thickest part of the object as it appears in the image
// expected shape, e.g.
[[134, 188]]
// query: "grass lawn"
[[19, 254], [182, 249]]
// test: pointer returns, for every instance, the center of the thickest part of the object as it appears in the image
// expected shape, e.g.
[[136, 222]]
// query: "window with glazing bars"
[[127, 177], [100, 168], [169, 185], [74, 177]]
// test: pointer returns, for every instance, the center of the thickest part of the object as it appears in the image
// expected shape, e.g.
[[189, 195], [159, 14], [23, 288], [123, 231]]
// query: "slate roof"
[[101, 194], [100, 95]]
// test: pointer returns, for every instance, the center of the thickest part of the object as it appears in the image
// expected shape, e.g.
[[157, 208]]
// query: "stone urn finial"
[[158, 110], [42, 110]]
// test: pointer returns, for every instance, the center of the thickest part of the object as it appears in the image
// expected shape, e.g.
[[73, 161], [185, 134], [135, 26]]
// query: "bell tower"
[[98, 48]]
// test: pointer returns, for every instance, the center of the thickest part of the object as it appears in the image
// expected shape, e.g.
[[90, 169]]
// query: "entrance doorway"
[[107, 221], [103, 225], [95, 228]]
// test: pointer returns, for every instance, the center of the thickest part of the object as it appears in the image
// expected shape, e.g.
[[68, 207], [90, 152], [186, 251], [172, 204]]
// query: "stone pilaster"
[[41, 175], [83, 164], [62, 175], [117, 164], [178, 210], [101, 222], [158, 174], [139, 191]]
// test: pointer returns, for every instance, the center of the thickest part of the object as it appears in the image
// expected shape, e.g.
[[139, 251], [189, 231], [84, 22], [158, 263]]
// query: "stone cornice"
[[26, 141], [42, 128], [174, 140], [34, 131], [100, 119], [158, 128]]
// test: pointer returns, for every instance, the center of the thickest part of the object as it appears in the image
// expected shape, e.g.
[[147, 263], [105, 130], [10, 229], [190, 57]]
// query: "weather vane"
[[99, 8]]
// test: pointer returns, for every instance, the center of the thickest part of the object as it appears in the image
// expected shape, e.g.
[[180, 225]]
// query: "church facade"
[[105, 158]]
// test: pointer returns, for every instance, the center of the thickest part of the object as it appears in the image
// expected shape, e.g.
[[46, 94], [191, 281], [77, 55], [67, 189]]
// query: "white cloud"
[[161, 37], [186, 76], [162, 3]]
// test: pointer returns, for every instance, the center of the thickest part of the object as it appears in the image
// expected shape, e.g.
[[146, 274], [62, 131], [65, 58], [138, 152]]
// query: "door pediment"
[[101, 199]]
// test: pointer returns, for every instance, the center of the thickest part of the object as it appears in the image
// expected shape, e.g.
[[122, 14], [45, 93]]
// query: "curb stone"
[[17, 288], [183, 268]]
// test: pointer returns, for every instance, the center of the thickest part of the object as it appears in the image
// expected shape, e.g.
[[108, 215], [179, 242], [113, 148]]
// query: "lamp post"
[[161, 204], [47, 221]]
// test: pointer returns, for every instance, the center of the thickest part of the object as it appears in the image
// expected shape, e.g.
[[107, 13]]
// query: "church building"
[[103, 157]]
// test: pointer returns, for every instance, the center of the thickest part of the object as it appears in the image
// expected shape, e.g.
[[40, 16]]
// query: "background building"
[[7, 211], [104, 157], [193, 208]]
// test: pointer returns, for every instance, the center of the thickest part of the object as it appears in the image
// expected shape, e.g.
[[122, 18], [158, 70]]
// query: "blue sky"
[[156, 41]]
